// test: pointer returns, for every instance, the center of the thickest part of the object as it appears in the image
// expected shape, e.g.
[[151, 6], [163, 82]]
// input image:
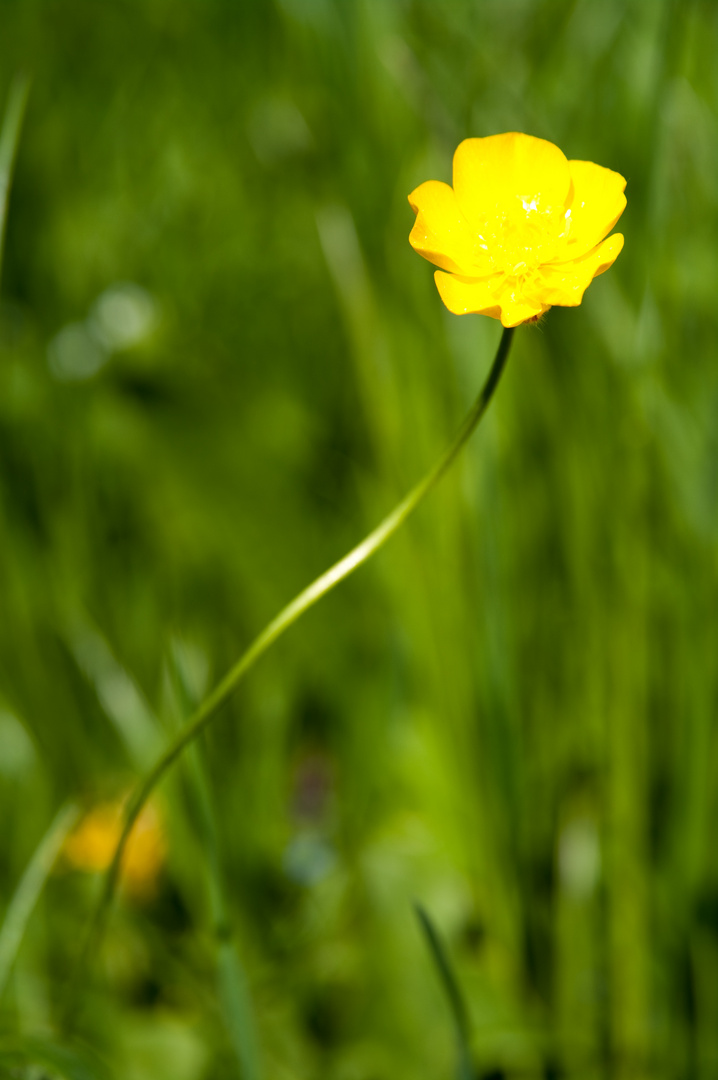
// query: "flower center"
[[522, 236]]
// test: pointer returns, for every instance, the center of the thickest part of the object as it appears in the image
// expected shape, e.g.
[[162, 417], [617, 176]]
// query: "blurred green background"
[[220, 365]]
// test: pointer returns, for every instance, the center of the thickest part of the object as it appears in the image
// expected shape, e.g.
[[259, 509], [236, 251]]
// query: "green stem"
[[282, 622]]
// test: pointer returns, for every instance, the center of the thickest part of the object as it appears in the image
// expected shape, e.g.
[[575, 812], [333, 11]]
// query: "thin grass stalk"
[[29, 888], [450, 984], [9, 140], [232, 985]]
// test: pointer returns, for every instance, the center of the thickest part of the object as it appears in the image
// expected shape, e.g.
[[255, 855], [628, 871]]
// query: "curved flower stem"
[[286, 618]]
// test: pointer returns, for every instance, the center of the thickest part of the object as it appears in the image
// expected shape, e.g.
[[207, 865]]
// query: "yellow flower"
[[521, 229], [92, 844]]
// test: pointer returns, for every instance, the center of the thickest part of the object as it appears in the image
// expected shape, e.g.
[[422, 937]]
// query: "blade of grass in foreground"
[[232, 986], [453, 993], [29, 888], [234, 994], [233, 989], [9, 139]]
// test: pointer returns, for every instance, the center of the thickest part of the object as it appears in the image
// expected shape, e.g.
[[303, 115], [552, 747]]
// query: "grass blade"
[[9, 139], [234, 994], [237, 1009], [232, 985], [454, 996], [29, 888]]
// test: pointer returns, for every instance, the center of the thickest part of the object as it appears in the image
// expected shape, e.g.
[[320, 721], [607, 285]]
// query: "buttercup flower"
[[521, 229], [92, 844]]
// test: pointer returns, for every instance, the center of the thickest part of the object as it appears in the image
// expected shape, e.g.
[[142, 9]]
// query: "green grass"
[[509, 716]]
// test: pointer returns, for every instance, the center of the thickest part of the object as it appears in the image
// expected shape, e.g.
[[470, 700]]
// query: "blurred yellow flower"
[[92, 844], [521, 229]]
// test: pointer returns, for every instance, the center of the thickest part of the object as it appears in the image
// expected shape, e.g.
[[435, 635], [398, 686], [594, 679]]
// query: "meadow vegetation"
[[220, 364]]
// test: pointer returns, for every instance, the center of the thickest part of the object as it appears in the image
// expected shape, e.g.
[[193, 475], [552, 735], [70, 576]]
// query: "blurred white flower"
[[122, 316], [75, 354]]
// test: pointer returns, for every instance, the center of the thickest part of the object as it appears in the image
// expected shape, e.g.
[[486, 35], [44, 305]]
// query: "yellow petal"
[[566, 283], [509, 172], [485, 296], [468, 296], [441, 234], [595, 203]]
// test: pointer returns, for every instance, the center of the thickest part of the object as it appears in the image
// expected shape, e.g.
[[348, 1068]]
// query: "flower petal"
[[468, 296], [596, 203], [441, 234], [486, 296], [506, 172], [566, 283]]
